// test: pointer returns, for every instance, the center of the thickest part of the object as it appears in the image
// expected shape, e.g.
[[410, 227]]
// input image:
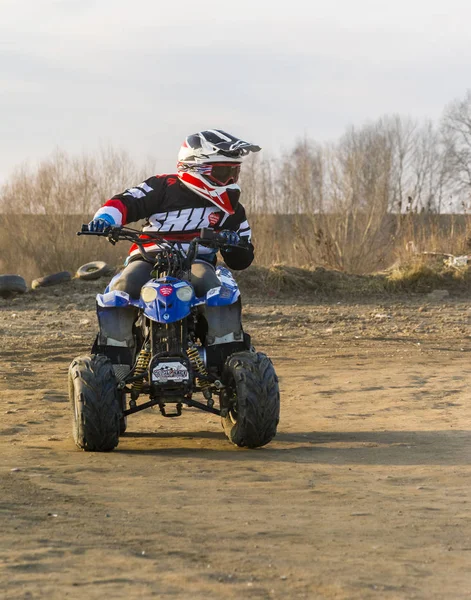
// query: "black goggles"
[[222, 173]]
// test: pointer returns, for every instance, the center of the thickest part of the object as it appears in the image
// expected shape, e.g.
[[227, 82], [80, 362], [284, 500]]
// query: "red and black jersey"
[[177, 213]]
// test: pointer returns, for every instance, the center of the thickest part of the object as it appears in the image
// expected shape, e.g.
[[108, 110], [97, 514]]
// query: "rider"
[[203, 193]]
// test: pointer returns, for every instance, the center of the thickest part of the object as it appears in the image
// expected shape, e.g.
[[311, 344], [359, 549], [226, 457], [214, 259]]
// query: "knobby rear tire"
[[254, 420], [95, 403]]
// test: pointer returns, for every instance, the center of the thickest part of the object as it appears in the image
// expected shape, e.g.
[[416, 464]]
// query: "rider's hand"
[[230, 237], [101, 223]]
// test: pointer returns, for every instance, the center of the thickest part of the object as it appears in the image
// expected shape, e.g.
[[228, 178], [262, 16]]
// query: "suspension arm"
[[156, 402]]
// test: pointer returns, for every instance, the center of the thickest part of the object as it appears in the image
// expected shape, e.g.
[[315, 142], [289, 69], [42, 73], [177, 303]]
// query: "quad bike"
[[172, 358]]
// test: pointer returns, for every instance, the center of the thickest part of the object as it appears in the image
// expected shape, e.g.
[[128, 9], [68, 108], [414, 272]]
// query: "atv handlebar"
[[208, 237]]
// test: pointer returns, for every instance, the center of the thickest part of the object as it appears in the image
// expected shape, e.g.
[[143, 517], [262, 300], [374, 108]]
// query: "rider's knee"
[[132, 278], [203, 277]]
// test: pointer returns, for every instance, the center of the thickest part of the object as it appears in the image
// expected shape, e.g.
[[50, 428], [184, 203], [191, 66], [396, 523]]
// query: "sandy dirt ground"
[[364, 493]]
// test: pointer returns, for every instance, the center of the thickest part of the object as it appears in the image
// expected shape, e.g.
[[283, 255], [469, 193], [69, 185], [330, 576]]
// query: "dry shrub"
[[433, 233], [423, 274], [306, 283], [414, 276], [43, 208], [287, 280]]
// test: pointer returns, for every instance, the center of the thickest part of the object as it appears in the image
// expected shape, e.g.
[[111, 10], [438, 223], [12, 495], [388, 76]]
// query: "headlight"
[[148, 294], [185, 294]]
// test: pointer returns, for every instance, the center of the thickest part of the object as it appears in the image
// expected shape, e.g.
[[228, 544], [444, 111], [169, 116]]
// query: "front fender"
[[226, 293], [166, 312], [166, 307], [115, 299]]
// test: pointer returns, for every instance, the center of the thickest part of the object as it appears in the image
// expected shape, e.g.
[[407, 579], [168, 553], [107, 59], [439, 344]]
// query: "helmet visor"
[[222, 173]]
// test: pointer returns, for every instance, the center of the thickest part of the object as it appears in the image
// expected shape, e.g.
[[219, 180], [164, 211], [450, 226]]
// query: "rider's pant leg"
[[203, 277], [224, 334], [133, 277], [116, 338]]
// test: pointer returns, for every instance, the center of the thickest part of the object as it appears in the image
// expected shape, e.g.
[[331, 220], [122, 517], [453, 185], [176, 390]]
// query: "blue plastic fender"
[[115, 299], [227, 293], [167, 307]]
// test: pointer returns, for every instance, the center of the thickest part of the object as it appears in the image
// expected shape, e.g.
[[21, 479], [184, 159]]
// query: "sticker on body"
[[170, 371]]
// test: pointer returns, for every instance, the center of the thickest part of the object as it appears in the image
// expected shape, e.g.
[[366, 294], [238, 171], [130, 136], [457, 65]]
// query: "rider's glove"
[[101, 223], [230, 237]]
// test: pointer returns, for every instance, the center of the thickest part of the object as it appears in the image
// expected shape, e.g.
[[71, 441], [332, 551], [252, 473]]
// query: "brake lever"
[[239, 246], [112, 234]]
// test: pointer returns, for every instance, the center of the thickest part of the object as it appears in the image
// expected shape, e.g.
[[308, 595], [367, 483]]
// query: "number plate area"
[[170, 372]]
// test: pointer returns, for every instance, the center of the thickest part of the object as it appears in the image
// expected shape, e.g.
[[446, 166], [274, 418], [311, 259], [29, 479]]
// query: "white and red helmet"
[[209, 164]]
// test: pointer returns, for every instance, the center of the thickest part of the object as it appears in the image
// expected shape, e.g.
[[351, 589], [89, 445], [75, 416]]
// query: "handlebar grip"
[[85, 231], [207, 234]]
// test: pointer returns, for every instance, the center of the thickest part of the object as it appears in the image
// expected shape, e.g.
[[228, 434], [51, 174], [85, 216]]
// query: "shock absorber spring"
[[142, 364], [199, 367]]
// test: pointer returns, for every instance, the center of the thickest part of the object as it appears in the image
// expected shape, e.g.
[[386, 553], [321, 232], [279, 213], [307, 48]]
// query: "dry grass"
[[42, 209], [424, 275], [418, 278], [34, 246]]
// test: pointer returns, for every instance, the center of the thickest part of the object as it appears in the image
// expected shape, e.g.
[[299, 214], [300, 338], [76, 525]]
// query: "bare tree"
[[456, 127]]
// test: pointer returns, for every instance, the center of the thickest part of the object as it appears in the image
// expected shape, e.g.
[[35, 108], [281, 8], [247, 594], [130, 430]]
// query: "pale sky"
[[143, 74]]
